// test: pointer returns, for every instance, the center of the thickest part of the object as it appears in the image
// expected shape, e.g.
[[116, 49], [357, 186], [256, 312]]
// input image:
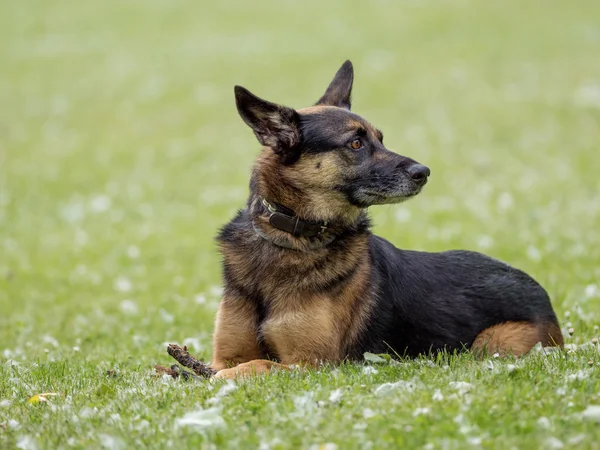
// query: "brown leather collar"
[[286, 220]]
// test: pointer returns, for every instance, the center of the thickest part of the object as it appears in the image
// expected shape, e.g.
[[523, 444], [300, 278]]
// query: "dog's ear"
[[340, 89], [274, 125]]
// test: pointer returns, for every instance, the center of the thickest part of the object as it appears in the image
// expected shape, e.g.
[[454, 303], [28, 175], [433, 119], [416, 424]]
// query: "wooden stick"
[[175, 371], [182, 356]]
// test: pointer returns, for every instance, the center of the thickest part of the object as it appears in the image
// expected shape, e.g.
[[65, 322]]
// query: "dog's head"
[[325, 160]]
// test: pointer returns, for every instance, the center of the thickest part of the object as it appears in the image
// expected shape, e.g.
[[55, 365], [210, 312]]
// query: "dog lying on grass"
[[305, 280]]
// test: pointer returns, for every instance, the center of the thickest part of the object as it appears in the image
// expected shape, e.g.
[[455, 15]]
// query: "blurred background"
[[122, 153]]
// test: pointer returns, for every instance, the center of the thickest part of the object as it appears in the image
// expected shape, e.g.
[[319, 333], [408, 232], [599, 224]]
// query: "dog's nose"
[[419, 173]]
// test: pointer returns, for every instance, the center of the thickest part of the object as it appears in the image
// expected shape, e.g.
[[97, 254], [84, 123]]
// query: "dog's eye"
[[356, 144]]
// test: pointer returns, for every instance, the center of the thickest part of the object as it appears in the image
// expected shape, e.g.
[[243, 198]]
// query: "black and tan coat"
[[306, 281]]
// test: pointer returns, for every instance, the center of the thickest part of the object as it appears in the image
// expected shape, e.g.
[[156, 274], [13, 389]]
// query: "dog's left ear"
[[340, 89], [274, 125]]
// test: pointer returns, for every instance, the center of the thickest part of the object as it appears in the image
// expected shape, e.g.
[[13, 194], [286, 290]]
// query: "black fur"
[[322, 132], [340, 89], [441, 301]]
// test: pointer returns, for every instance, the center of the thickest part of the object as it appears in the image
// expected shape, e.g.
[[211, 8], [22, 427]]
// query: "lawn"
[[121, 154]]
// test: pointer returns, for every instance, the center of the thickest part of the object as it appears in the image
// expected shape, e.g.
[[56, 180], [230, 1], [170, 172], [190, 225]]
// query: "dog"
[[305, 280]]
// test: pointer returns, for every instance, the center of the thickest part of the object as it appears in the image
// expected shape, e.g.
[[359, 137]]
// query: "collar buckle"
[[269, 207]]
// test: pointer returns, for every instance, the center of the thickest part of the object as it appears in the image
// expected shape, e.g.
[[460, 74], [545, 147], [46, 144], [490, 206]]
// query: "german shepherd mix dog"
[[307, 282]]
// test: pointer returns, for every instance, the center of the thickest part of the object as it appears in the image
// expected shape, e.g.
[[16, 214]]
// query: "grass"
[[121, 154]]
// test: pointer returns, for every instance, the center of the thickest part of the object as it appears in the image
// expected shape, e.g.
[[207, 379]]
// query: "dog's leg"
[[304, 337], [251, 368], [236, 337], [516, 338]]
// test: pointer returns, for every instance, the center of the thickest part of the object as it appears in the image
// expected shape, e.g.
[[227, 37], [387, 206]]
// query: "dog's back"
[[433, 301]]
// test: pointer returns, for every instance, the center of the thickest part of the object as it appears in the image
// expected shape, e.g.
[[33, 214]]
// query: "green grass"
[[121, 154]]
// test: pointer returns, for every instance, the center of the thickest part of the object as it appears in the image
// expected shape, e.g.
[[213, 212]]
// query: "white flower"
[[580, 375], [368, 413], [50, 340], [591, 413], [129, 307], [387, 388], [227, 388], [544, 423], [505, 201], [553, 443], [100, 203], [133, 252], [336, 396], [591, 290], [26, 443], [421, 412], [475, 440], [165, 316], [485, 242], [533, 253], [370, 370], [588, 95], [201, 419], [216, 291], [462, 387], [122, 284], [111, 442], [402, 215], [577, 439]]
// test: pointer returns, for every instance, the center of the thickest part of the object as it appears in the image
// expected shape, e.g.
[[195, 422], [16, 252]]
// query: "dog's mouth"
[[387, 198], [381, 190]]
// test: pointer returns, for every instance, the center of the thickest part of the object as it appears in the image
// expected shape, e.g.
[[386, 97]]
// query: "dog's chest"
[[310, 304], [305, 333], [276, 275]]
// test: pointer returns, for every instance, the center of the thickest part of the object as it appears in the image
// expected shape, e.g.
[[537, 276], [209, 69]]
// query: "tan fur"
[[235, 337], [516, 338], [356, 124], [250, 368], [304, 324], [304, 333], [300, 330], [287, 186], [320, 327]]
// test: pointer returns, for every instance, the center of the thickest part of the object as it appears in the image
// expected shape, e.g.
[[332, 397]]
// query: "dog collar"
[[284, 219]]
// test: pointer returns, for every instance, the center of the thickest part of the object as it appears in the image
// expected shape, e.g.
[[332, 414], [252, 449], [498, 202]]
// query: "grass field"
[[121, 154]]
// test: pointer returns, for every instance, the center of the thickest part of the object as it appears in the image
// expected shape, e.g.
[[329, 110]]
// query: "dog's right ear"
[[340, 89], [274, 125]]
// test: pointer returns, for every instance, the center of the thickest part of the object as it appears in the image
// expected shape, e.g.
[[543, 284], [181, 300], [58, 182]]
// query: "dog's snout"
[[419, 173]]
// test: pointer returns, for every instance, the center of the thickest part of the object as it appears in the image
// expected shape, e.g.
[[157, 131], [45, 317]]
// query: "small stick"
[[175, 371], [182, 356], [162, 370], [186, 375]]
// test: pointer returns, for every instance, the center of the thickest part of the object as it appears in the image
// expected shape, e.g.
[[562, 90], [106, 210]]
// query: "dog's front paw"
[[249, 369]]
